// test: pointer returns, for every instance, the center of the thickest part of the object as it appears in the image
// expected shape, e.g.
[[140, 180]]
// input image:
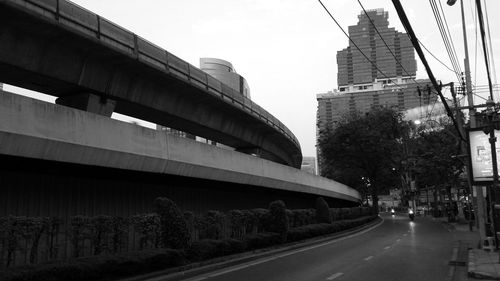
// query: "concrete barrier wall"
[[36, 129]]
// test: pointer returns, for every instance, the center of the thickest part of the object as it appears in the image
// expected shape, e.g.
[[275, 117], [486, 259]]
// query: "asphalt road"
[[396, 250]]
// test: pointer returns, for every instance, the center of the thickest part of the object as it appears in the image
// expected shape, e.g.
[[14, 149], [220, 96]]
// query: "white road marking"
[[386, 248], [368, 258], [398, 240], [405, 234], [336, 275], [249, 264]]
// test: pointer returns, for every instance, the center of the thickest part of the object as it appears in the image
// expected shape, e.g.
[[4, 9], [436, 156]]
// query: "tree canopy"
[[364, 150]]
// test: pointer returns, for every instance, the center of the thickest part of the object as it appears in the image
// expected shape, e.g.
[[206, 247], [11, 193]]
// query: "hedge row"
[[122, 265], [98, 267]]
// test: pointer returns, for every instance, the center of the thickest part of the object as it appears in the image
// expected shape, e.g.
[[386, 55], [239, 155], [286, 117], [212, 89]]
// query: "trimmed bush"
[[313, 230], [78, 232], [237, 219], [278, 221], [148, 226], [97, 267], [322, 211], [100, 227], [209, 248], [261, 217], [211, 225], [174, 232], [262, 240]]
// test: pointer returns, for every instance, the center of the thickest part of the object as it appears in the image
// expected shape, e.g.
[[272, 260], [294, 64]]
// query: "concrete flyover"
[[61, 49], [33, 129]]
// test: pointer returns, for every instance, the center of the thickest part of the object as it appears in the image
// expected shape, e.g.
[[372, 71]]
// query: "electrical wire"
[[428, 51], [385, 43], [355, 45], [444, 31], [491, 56], [450, 37]]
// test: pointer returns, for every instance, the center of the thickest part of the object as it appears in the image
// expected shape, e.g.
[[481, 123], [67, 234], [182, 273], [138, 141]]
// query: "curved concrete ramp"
[[35, 129], [61, 49]]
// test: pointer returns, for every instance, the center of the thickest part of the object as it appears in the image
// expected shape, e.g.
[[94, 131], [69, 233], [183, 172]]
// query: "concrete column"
[[89, 102]]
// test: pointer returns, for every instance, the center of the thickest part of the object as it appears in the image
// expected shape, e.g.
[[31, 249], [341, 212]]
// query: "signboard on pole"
[[480, 156]]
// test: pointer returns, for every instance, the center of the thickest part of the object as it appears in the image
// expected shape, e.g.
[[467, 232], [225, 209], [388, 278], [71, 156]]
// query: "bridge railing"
[[92, 25]]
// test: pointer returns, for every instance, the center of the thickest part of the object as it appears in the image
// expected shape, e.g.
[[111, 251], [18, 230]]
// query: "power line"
[[385, 43], [413, 38], [446, 39], [492, 57], [355, 45], [481, 26], [452, 45], [428, 51]]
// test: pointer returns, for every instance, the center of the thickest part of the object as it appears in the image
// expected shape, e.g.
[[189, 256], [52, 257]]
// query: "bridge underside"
[[55, 160], [69, 60], [31, 187]]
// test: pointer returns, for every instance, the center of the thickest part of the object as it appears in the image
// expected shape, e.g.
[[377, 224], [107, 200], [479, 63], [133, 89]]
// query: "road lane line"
[[398, 240], [405, 234], [249, 264], [387, 248], [368, 258], [336, 275]]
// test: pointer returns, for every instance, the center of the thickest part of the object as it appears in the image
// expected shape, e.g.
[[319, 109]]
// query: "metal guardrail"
[[90, 24]]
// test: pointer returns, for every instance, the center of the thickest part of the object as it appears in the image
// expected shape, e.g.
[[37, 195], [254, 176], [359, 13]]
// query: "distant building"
[[355, 69], [224, 71], [334, 104], [361, 86], [309, 165]]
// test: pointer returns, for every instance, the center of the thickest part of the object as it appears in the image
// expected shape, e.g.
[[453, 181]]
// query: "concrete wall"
[[36, 129]]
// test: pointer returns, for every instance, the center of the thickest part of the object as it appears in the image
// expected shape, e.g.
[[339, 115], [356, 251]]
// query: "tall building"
[[361, 86], [224, 71], [355, 69]]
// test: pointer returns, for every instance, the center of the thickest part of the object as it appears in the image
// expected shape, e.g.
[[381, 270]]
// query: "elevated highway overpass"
[[71, 158], [90, 63]]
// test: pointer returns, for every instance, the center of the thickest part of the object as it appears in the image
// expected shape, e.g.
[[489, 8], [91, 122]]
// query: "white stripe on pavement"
[[368, 258], [249, 264], [386, 248]]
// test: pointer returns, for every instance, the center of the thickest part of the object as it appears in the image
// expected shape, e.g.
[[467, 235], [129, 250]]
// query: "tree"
[[437, 162], [364, 148], [173, 227]]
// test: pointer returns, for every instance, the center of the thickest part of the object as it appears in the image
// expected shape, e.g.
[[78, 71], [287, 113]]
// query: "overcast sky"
[[286, 49]]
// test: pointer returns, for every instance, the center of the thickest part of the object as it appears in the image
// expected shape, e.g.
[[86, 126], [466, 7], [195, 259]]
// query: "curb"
[[471, 271], [195, 269]]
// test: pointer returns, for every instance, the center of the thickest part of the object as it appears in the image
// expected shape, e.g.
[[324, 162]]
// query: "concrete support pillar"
[[89, 102]]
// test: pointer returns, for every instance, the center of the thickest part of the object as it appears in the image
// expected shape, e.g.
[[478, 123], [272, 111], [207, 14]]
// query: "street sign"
[[480, 156]]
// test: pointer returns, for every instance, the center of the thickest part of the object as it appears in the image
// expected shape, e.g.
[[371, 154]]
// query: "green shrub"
[[260, 216], [322, 211], [174, 232], [118, 227], [97, 267], [262, 240], [309, 231], [100, 228], [148, 226], [237, 220], [278, 221], [78, 232], [211, 225], [209, 248]]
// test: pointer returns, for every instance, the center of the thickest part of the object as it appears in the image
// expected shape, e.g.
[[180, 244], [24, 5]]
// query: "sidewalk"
[[481, 264]]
